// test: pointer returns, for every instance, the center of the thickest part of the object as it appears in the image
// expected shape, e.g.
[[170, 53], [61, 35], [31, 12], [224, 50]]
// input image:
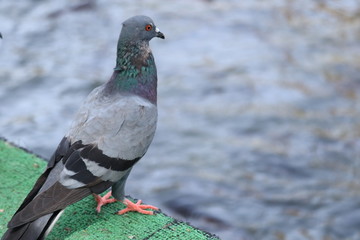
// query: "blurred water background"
[[258, 132]]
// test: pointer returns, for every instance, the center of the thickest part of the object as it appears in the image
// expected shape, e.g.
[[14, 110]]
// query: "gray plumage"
[[111, 132]]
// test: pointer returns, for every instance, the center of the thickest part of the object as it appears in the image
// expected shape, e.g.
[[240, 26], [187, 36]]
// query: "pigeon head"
[[135, 70], [139, 28]]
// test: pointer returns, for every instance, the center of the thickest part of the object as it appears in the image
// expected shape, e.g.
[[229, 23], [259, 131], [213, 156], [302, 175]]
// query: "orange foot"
[[136, 207], [130, 206], [103, 200]]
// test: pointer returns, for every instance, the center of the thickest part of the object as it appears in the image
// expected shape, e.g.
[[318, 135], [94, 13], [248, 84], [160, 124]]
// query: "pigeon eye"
[[148, 27]]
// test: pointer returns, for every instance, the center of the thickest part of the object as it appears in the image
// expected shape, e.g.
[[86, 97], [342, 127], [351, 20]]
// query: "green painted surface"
[[19, 171]]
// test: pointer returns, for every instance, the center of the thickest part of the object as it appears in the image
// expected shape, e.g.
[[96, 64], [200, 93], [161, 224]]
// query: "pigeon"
[[110, 133]]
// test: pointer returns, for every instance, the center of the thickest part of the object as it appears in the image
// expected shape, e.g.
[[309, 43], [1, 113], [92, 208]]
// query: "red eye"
[[148, 27]]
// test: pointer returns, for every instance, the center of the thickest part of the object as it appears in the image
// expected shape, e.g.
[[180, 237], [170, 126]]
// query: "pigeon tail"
[[35, 230]]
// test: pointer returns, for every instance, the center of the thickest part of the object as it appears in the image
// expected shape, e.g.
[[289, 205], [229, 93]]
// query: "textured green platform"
[[18, 172]]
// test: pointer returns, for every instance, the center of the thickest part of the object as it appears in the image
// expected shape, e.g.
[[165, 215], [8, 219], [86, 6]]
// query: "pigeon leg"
[[103, 200], [136, 207]]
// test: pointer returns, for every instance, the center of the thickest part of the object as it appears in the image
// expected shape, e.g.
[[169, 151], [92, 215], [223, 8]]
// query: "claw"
[[137, 207], [103, 200]]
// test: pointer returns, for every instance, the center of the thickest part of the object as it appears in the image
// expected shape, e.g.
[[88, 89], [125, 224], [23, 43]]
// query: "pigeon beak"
[[159, 34]]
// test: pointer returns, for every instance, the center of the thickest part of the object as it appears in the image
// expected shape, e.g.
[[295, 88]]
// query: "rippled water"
[[258, 133]]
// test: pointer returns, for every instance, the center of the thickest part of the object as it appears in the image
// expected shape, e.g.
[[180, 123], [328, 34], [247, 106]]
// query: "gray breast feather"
[[121, 126]]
